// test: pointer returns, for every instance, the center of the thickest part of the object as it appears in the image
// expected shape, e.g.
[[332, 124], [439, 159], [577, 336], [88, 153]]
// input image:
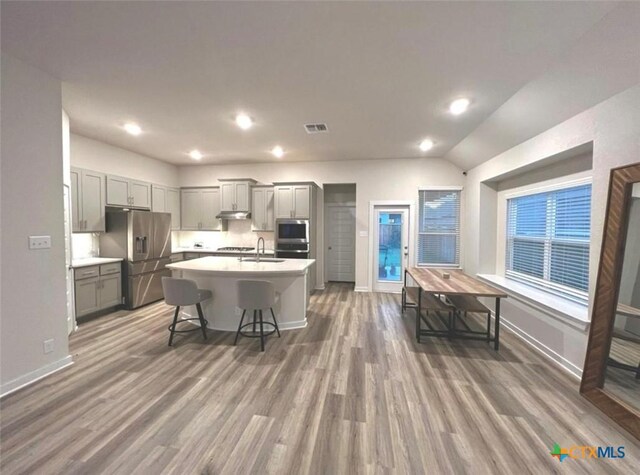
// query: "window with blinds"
[[439, 228], [548, 240]]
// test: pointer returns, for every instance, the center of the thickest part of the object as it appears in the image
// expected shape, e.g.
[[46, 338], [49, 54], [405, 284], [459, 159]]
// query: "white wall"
[[33, 307], [394, 179], [613, 127], [341, 194], [105, 158], [66, 149]]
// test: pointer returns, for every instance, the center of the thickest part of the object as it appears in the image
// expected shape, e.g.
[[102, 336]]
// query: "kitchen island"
[[221, 274]]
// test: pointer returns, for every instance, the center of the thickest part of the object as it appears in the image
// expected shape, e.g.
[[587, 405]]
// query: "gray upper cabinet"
[[173, 207], [87, 201], [140, 194], [228, 197], [199, 208], [124, 192], [283, 201], [158, 199], [76, 212], [166, 200], [190, 209], [293, 201], [302, 202], [262, 204], [118, 191], [235, 195], [211, 209]]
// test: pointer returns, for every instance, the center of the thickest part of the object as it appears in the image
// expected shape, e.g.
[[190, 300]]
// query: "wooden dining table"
[[434, 281]]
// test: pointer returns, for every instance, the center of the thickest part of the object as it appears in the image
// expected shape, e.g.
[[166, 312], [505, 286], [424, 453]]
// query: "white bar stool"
[[183, 292], [256, 295]]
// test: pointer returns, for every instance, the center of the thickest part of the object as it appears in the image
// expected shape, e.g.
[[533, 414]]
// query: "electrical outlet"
[[39, 242], [47, 346], [238, 311]]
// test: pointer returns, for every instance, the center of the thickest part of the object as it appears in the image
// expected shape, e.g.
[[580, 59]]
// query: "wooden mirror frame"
[[606, 301]]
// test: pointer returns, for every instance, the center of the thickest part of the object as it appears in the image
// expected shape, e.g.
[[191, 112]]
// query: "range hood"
[[234, 215]]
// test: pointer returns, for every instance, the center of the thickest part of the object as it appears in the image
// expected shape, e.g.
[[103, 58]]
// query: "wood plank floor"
[[351, 393]]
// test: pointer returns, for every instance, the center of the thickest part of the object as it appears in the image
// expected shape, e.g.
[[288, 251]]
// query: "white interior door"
[[341, 245], [391, 248]]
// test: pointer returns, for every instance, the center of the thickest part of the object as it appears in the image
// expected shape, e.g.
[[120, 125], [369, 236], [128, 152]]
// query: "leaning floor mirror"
[[611, 376]]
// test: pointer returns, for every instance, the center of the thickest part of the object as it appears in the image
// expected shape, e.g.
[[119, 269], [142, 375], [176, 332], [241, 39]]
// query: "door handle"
[[330, 247]]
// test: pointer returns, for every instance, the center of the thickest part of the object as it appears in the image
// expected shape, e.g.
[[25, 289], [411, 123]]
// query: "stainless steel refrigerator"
[[143, 240]]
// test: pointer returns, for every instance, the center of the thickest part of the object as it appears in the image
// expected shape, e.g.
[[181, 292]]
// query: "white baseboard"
[[361, 289], [293, 325], [33, 376], [319, 287], [558, 359]]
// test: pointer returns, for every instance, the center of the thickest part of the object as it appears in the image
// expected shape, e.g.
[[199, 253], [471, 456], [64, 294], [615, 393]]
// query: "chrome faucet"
[[258, 249]]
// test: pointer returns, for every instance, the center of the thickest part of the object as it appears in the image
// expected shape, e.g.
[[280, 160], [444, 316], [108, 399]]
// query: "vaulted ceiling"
[[380, 75]]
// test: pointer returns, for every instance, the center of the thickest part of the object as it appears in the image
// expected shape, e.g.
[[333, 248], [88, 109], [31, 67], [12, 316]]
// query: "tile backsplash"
[[85, 245], [238, 233]]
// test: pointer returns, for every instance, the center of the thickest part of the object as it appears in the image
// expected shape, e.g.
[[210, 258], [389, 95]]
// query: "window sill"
[[557, 307]]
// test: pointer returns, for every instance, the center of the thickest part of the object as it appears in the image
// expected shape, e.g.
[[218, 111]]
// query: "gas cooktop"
[[231, 248]]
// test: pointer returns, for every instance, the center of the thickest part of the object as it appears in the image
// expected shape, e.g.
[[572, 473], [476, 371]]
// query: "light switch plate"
[[39, 242]]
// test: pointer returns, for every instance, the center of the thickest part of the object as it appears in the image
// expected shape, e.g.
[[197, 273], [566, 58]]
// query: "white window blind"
[[548, 240], [439, 228]]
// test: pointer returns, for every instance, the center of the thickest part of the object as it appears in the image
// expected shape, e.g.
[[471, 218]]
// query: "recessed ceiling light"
[[132, 128], [459, 106], [278, 151], [426, 145], [195, 154], [244, 121]]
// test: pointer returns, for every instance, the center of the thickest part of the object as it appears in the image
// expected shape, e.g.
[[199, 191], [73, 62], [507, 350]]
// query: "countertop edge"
[[94, 261], [186, 266]]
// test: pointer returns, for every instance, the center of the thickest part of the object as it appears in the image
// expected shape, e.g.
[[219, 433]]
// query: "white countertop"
[[93, 261], [235, 267], [208, 250]]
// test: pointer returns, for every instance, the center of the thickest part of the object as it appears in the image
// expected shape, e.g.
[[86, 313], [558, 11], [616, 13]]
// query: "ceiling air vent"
[[316, 128]]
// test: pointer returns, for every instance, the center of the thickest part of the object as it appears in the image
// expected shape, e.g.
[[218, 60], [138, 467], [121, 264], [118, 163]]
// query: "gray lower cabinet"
[[177, 257], [97, 288], [110, 291], [87, 296]]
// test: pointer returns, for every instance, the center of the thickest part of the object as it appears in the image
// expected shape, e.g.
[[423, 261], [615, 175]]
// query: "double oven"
[[292, 238]]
